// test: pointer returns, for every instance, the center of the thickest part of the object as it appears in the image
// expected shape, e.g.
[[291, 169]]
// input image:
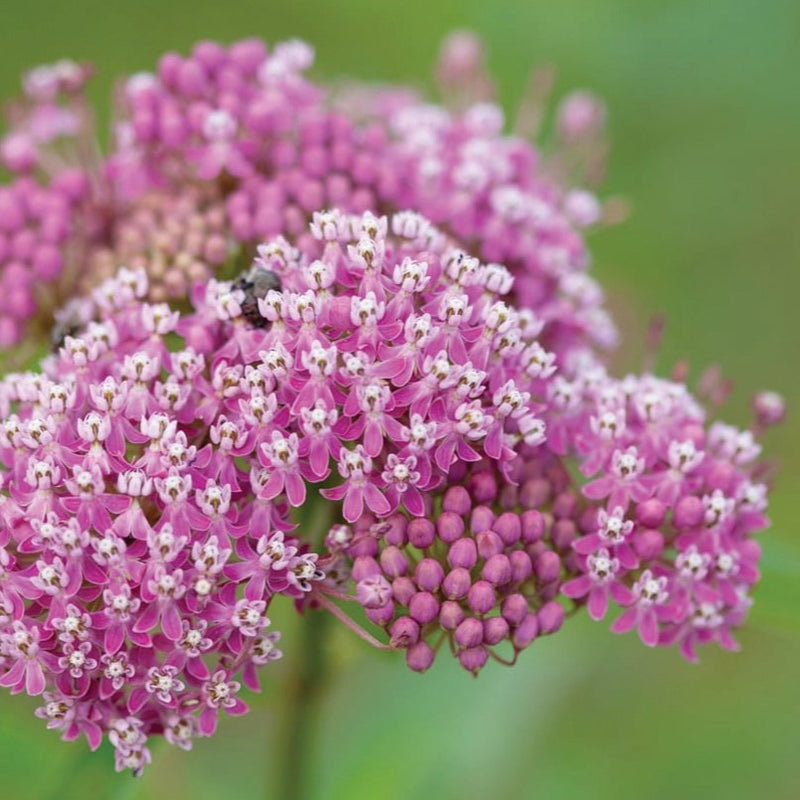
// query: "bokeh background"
[[705, 126]]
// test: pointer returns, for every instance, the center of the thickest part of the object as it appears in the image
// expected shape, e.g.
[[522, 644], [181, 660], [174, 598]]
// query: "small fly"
[[256, 282]]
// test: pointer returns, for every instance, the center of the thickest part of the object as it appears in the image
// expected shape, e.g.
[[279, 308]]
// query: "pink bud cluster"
[[482, 573], [138, 551], [178, 237], [249, 116], [34, 230], [38, 210]]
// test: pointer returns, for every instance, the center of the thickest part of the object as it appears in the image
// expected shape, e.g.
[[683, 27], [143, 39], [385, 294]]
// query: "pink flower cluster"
[[669, 536], [138, 464], [420, 360], [388, 353], [237, 146], [149, 474], [138, 549], [664, 529]]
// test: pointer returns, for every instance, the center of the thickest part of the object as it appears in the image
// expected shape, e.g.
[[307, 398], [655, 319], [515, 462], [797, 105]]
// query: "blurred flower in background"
[[218, 151]]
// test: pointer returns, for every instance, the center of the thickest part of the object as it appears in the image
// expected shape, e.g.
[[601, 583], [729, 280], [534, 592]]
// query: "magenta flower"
[[219, 693], [647, 599], [355, 466], [25, 660], [281, 458], [601, 578], [622, 484]]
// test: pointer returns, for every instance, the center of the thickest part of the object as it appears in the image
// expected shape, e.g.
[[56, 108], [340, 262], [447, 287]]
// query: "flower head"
[[128, 527]]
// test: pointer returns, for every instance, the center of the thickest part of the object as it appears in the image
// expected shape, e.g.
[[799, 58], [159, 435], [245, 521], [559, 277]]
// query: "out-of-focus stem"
[[307, 678], [304, 687]]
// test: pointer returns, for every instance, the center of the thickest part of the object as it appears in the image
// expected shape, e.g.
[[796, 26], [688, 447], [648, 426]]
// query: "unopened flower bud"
[[534, 493], [495, 629], [514, 609], [483, 487], [394, 562], [581, 116], [651, 513], [451, 615], [497, 570], [547, 566], [474, 659], [429, 574], [481, 597], [397, 534], [721, 476], [528, 629], [421, 533], [521, 566], [419, 656], [689, 512], [381, 616], [450, 526], [457, 583], [404, 632], [769, 408], [564, 533], [469, 633], [365, 567], [403, 589], [550, 617], [489, 544], [463, 553], [648, 544], [508, 527], [457, 500], [481, 519], [423, 607], [565, 505], [533, 526]]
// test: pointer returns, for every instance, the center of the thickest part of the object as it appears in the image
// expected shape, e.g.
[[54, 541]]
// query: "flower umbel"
[[430, 374]]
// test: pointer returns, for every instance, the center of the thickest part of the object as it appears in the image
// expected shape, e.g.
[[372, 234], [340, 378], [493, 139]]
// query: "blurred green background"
[[705, 122]]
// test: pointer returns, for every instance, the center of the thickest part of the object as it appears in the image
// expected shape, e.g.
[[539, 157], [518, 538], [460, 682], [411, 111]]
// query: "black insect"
[[68, 322], [256, 282]]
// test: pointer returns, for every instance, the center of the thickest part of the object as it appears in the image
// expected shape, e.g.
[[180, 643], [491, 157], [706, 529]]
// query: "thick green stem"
[[304, 687], [307, 677]]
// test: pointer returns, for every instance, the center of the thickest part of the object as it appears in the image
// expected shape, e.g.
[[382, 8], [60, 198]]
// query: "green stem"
[[305, 684], [307, 678]]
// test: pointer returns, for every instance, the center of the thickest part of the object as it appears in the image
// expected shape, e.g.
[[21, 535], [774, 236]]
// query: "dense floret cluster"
[[147, 480], [137, 554], [663, 528], [352, 357]]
